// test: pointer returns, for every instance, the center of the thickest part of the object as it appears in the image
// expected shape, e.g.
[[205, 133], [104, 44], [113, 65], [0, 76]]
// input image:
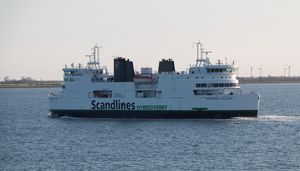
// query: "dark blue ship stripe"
[[156, 114]]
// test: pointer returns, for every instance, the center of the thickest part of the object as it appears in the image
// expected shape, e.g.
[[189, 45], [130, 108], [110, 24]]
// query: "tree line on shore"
[[27, 80]]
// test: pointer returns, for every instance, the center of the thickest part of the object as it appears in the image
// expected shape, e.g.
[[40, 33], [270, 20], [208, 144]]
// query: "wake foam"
[[272, 118]]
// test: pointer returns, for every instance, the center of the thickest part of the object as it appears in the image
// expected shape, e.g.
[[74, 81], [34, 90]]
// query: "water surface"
[[30, 140]]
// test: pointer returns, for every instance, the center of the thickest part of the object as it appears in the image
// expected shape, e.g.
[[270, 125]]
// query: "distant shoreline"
[[268, 80], [242, 80], [34, 84]]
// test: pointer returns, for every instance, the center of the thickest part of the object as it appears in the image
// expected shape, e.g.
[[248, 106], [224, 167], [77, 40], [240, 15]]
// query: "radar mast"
[[94, 58], [200, 61]]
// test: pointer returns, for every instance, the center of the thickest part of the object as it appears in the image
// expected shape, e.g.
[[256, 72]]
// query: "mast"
[[289, 69], [200, 61], [199, 47], [94, 58]]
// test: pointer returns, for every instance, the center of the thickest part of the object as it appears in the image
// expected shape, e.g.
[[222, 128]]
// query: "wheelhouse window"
[[102, 93], [72, 73]]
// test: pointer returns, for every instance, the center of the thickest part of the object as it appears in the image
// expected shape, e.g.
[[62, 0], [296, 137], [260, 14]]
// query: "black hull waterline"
[[154, 114]]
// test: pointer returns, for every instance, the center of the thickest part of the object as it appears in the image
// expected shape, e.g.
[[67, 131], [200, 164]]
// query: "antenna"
[[289, 68], [206, 57], [251, 72], [237, 71], [90, 58], [260, 71], [206, 53]]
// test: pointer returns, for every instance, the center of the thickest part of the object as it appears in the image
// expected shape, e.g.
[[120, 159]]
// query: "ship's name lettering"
[[114, 105], [151, 107]]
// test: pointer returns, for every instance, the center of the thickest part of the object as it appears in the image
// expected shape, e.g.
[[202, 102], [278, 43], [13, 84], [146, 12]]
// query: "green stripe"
[[199, 108]]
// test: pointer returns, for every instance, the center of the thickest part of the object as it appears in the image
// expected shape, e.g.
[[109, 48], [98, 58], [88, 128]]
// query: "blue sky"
[[39, 36]]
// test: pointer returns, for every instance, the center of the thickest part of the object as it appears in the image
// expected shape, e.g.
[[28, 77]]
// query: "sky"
[[38, 37]]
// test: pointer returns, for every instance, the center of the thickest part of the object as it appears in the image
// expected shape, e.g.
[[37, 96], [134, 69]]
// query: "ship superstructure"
[[205, 91]]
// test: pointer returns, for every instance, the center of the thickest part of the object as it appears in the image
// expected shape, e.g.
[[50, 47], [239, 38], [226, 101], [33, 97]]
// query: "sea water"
[[30, 140]]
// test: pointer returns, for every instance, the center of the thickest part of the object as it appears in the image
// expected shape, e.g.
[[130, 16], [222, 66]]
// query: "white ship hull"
[[222, 106], [206, 91]]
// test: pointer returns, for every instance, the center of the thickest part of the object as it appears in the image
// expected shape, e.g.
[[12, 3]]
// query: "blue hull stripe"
[[153, 114]]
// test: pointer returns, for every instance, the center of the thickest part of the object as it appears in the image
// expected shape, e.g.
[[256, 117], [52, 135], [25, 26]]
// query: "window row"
[[220, 69], [146, 93], [102, 93], [139, 94], [70, 79], [201, 85], [72, 73], [202, 92]]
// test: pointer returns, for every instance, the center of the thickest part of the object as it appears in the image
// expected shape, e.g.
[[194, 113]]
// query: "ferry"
[[205, 90]]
